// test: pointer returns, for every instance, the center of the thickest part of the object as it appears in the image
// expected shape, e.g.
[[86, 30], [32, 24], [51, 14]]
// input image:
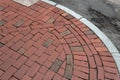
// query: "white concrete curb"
[[26, 2], [113, 50]]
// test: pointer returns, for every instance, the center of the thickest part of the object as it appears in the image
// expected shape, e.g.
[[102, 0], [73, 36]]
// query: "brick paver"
[[42, 42]]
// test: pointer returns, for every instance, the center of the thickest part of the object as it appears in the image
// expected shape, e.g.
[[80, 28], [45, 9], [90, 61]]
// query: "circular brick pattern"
[[42, 42]]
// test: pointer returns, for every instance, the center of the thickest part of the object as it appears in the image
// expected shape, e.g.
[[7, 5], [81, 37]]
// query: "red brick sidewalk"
[[42, 42]]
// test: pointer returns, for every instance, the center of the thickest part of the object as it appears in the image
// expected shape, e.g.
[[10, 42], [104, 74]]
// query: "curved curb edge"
[[110, 46]]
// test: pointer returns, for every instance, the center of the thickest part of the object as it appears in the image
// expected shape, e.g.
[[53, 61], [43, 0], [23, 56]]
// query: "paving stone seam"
[[110, 46]]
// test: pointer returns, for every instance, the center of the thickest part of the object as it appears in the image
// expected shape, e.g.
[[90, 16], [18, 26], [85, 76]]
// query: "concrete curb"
[[26, 2], [113, 50]]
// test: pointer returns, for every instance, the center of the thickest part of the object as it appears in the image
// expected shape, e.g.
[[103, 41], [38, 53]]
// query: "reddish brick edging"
[[42, 42]]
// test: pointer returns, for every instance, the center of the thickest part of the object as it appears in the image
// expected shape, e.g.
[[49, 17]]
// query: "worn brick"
[[64, 14], [68, 71], [69, 60], [51, 20], [1, 8], [66, 49], [21, 51], [65, 33], [56, 65], [48, 43], [19, 23], [2, 22], [1, 44]]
